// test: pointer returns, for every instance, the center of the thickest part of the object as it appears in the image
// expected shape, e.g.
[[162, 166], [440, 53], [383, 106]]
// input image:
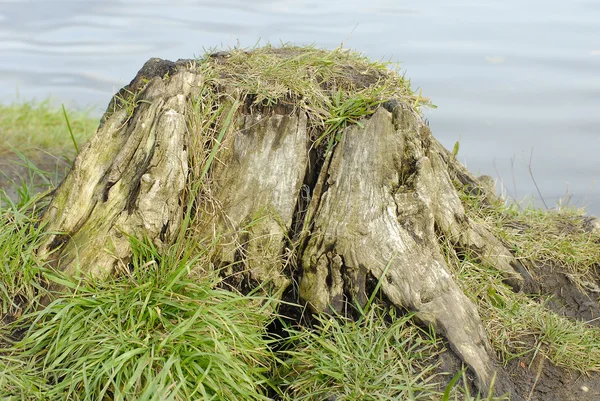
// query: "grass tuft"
[[335, 88], [21, 273], [369, 359], [153, 334]]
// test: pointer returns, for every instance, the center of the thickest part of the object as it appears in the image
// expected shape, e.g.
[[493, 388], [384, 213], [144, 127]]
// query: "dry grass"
[[335, 88]]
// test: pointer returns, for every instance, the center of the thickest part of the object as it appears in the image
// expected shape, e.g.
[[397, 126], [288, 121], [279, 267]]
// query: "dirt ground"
[[527, 379], [538, 379], [541, 380]]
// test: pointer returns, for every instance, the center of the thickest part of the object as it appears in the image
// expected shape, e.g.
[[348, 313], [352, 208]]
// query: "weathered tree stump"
[[267, 178]]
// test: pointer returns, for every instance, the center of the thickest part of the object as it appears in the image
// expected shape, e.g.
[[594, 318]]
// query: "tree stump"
[[327, 183]]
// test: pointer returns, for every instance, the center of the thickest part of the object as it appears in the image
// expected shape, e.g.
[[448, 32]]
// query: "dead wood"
[[377, 206]]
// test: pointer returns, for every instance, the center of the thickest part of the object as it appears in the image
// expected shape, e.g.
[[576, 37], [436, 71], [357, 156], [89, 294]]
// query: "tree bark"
[[374, 207]]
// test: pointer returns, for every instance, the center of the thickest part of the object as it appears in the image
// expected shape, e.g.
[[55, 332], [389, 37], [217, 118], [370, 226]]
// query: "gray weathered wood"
[[127, 181], [381, 200], [385, 193], [256, 185]]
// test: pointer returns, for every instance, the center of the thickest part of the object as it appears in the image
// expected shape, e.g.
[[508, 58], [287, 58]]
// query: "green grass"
[[368, 359], [157, 332], [556, 239], [25, 130], [165, 327], [547, 242], [335, 88], [21, 279], [31, 126], [380, 356], [151, 334]]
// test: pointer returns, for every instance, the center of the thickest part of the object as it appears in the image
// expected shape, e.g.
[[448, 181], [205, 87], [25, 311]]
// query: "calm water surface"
[[516, 82]]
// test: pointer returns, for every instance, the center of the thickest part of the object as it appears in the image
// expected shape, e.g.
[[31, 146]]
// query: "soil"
[[538, 379], [524, 378]]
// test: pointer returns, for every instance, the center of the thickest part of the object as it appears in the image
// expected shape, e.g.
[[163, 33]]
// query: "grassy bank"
[[155, 333], [33, 126], [159, 330]]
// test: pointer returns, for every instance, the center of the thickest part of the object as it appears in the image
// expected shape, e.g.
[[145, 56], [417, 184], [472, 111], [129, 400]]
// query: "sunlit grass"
[[156, 332], [335, 88], [21, 280], [552, 241], [367, 359], [29, 126], [380, 356], [151, 334]]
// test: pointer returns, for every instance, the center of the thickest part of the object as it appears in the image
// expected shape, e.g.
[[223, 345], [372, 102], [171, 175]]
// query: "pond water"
[[516, 82]]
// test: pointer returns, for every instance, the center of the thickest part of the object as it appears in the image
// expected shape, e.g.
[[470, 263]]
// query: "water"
[[517, 83]]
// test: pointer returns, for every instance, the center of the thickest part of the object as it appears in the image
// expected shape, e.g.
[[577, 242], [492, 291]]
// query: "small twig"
[[537, 377], [534, 182], [504, 191], [512, 172]]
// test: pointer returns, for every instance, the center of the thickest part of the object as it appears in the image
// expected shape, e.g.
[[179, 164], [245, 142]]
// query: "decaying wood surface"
[[387, 197], [127, 181], [376, 207], [256, 184]]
